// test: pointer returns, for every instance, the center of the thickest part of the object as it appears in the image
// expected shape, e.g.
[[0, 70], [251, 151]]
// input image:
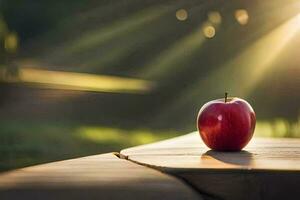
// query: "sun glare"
[[262, 55], [257, 59], [246, 68]]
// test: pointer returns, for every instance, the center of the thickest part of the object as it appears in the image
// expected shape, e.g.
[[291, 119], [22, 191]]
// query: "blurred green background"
[[87, 77]]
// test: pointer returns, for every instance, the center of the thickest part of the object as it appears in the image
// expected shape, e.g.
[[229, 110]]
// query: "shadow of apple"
[[242, 158]]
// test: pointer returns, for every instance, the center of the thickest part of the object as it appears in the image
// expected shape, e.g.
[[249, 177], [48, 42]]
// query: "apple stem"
[[226, 96]]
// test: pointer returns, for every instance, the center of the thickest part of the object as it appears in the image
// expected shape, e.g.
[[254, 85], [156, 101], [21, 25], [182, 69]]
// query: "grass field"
[[25, 143]]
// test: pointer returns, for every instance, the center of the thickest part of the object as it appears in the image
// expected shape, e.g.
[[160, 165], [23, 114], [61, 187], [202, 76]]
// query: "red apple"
[[226, 124]]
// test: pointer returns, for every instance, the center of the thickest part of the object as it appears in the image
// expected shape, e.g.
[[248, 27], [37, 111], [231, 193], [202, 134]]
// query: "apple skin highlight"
[[226, 125]]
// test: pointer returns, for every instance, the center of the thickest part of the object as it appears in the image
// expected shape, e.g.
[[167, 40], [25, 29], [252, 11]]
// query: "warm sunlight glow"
[[241, 74], [250, 66], [181, 14], [209, 31], [242, 17], [263, 54], [79, 81], [214, 17]]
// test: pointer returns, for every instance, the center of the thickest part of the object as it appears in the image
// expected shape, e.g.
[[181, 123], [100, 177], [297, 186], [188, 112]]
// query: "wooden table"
[[265, 169], [179, 168], [95, 177]]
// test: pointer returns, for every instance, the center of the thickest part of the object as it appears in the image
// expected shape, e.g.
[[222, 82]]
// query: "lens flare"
[[181, 15], [242, 17], [214, 17], [209, 31]]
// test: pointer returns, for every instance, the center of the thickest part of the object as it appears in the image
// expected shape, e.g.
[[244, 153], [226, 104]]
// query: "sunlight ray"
[[171, 57], [103, 34], [130, 42], [248, 68], [240, 75], [77, 81]]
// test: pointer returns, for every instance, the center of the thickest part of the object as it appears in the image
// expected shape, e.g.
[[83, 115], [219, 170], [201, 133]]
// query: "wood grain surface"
[[265, 169], [95, 177], [189, 152]]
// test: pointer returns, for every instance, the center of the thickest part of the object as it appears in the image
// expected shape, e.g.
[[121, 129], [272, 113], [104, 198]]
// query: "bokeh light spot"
[[78, 81], [242, 17], [181, 14], [214, 17], [11, 42], [209, 31]]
